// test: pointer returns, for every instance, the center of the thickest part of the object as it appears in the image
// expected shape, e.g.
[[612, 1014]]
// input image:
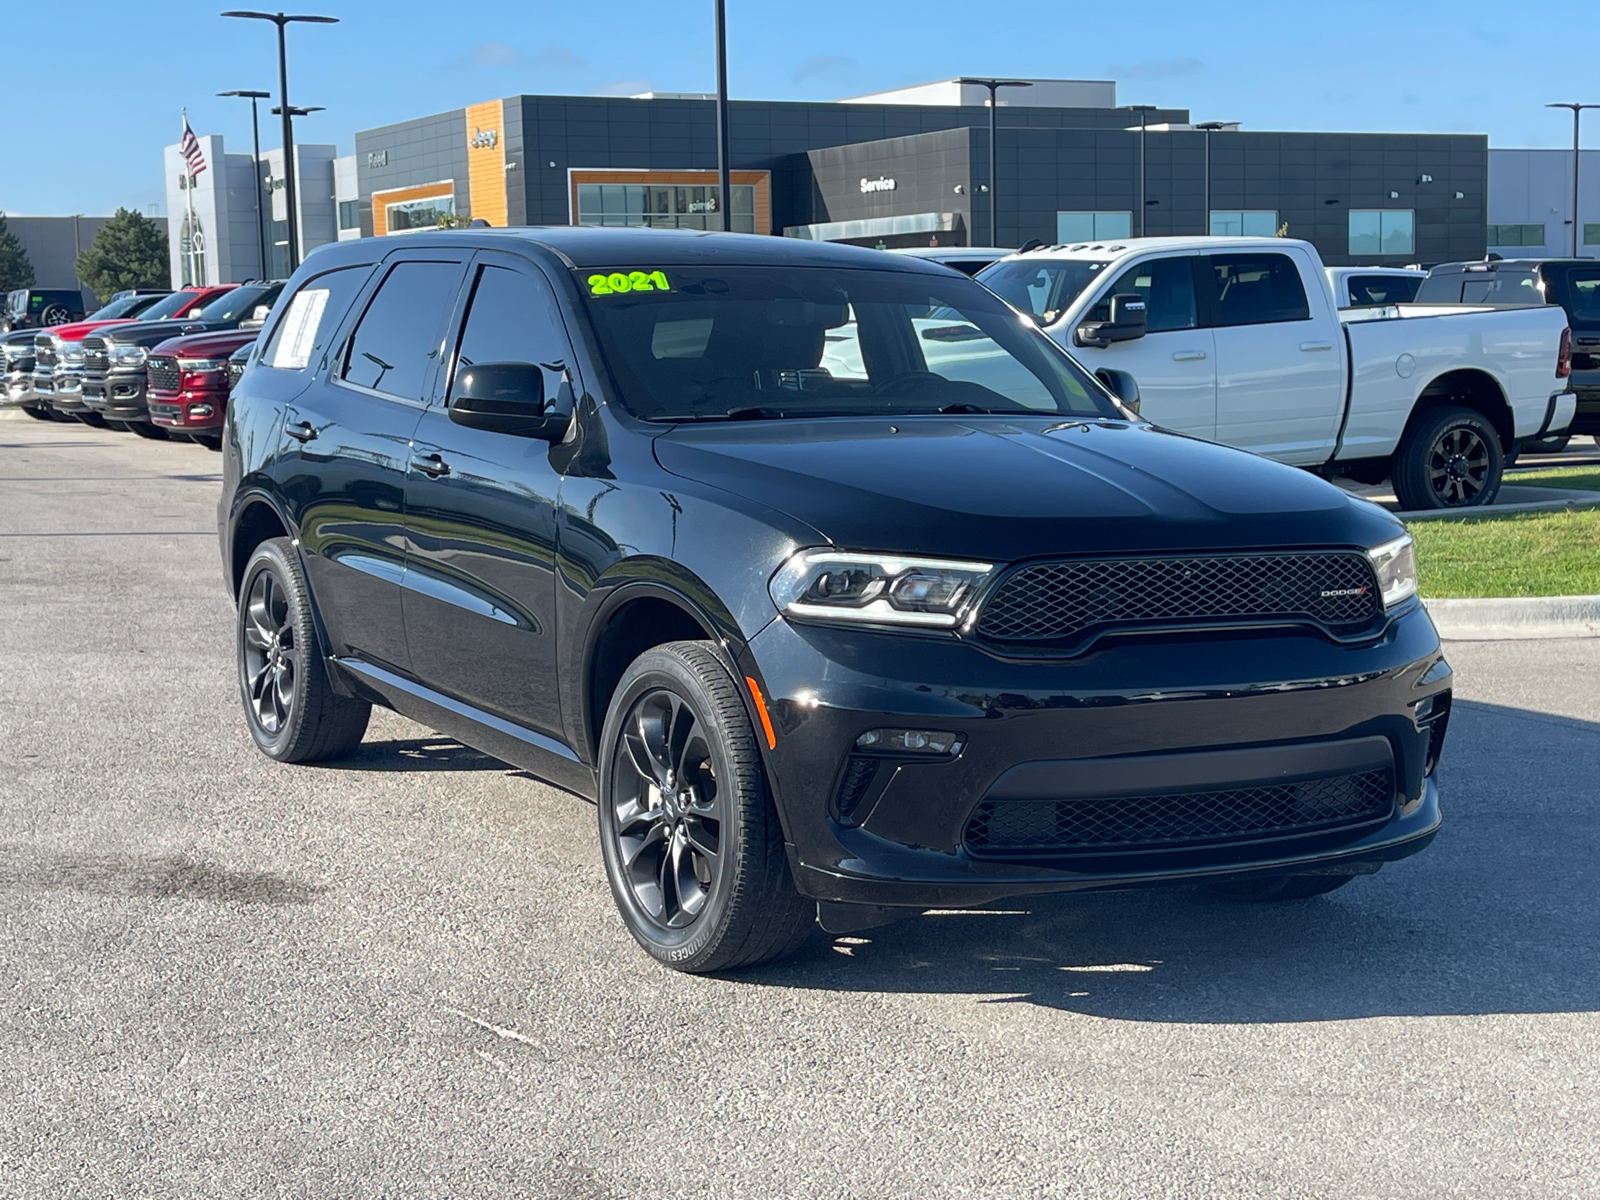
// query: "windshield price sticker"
[[618, 282]]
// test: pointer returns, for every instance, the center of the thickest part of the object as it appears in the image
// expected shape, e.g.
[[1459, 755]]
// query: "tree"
[[15, 269], [128, 252]]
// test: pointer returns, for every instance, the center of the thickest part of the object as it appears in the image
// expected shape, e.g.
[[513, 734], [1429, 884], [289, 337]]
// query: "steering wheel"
[[902, 383]]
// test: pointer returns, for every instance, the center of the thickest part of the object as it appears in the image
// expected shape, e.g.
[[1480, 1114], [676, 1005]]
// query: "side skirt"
[[550, 760]]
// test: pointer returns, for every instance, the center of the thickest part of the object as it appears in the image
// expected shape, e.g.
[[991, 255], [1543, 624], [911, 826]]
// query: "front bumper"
[[191, 410], [61, 388], [119, 395], [1130, 706], [16, 389]]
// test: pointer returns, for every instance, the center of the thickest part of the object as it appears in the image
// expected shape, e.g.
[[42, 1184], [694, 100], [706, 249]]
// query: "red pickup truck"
[[188, 382]]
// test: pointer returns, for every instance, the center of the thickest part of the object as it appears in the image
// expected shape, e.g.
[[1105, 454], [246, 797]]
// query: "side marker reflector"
[[761, 711]]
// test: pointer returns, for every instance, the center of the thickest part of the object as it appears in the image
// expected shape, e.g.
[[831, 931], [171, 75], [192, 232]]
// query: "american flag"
[[189, 147]]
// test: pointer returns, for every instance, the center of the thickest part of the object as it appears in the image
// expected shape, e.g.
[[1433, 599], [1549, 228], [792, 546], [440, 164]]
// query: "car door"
[[479, 597], [346, 448], [1280, 364], [1174, 362]]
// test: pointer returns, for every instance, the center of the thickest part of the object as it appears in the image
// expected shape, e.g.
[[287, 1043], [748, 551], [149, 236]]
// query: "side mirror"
[[504, 398], [258, 317], [1126, 323], [1123, 386]]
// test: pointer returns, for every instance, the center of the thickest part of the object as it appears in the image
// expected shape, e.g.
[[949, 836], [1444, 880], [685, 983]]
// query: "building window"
[[1260, 223], [1383, 231], [664, 206], [1517, 235], [349, 214], [410, 215], [1591, 234], [1092, 226]]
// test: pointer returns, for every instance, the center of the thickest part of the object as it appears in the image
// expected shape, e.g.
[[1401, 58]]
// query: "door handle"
[[1311, 347], [430, 465], [300, 432], [1188, 356]]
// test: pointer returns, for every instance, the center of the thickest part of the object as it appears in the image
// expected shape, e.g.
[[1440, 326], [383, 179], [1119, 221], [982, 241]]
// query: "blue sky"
[[107, 79]]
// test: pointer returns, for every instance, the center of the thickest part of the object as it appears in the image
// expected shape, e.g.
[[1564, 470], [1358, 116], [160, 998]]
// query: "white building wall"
[[224, 203], [346, 190], [1045, 93], [1534, 187], [314, 194]]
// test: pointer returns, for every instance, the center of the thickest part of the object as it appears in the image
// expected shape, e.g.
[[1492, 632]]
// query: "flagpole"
[[189, 193]]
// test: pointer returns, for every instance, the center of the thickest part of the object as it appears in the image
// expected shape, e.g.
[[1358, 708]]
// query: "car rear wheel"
[[290, 706], [690, 837], [1451, 458], [1279, 887]]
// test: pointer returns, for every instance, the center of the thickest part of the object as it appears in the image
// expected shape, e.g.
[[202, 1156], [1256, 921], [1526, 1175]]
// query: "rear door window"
[[1258, 289], [306, 328], [1369, 290], [395, 348]]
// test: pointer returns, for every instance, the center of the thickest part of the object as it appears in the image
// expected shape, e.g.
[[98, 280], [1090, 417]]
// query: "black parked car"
[[39, 308], [1573, 283], [115, 384], [843, 590]]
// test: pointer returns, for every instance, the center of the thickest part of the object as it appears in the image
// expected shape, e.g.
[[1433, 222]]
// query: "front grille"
[[1063, 602], [95, 355], [44, 352], [1119, 824], [164, 375]]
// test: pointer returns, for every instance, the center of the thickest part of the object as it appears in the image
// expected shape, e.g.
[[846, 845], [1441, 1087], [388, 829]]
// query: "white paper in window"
[[300, 324]]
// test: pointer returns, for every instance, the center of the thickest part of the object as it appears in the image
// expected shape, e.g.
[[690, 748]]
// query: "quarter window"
[[1518, 235], [1258, 289], [513, 318], [1382, 231], [1167, 285], [396, 346], [1093, 226], [1367, 291], [1257, 223]]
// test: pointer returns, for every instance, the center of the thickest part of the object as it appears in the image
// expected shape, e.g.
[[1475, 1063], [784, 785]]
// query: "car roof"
[[940, 253], [1515, 264], [589, 246], [1108, 248]]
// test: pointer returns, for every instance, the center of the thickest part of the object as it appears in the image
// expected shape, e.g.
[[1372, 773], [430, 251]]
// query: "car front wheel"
[[290, 706], [1451, 458], [691, 840]]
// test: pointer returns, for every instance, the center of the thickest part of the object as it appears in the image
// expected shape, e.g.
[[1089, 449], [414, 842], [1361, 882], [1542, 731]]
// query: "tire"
[[1549, 445], [90, 418], [39, 413], [1450, 458], [211, 441], [290, 706], [1279, 887], [119, 426], [146, 430], [702, 881]]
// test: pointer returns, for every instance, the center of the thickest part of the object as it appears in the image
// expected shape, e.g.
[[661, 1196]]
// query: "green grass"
[[1576, 478], [1520, 554]]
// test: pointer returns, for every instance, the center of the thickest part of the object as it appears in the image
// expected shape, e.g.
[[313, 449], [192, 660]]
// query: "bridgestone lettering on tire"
[[290, 707], [1449, 458], [690, 836]]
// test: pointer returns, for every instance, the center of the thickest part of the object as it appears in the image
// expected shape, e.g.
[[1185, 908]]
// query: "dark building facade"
[[917, 174]]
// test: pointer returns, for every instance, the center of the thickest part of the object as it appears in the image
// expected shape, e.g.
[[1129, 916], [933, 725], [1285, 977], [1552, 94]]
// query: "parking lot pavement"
[[403, 976]]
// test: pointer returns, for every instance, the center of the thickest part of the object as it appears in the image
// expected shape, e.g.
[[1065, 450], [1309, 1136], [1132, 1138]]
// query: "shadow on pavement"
[[436, 753], [1500, 915]]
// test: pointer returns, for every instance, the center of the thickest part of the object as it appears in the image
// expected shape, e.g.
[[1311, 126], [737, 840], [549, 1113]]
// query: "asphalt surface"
[[403, 976]]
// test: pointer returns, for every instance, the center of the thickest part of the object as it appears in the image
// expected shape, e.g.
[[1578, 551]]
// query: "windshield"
[[168, 305], [699, 343], [1043, 289], [125, 306], [237, 304]]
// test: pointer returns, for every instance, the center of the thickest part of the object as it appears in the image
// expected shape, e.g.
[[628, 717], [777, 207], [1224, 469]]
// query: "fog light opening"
[[199, 411], [932, 742]]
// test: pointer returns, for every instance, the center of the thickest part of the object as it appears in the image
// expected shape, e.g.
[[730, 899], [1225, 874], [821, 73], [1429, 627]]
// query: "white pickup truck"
[[1239, 340]]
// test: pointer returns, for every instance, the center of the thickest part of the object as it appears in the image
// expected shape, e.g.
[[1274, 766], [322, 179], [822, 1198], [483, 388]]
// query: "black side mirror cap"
[[505, 398], [1123, 386], [1127, 323]]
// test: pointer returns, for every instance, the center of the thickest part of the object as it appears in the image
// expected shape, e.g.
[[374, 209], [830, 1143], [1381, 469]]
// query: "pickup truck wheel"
[[1549, 445], [90, 418], [1279, 887], [1451, 458], [40, 412], [290, 706], [146, 430], [691, 841]]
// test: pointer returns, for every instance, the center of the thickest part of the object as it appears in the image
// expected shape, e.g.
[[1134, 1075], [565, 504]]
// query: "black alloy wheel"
[[291, 708], [1449, 458], [691, 840]]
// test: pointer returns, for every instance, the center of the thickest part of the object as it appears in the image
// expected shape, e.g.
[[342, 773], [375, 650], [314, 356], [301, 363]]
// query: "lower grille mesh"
[[1103, 824], [163, 374]]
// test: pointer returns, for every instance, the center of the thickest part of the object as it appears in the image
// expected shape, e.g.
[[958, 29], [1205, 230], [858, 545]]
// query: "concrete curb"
[[1515, 618], [1495, 510]]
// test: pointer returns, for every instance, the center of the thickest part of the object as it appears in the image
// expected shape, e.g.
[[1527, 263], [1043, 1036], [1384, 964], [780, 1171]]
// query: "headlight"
[[202, 364], [880, 589], [1395, 564], [128, 356], [71, 353]]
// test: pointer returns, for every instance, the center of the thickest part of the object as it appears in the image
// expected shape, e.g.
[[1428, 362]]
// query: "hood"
[[152, 333], [219, 344], [75, 331], [1003, 489]]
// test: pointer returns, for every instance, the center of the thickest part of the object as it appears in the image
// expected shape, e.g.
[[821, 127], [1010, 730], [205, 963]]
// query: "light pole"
[[282, 20], [994, 85], [1210, 127], [1144, 111], [255, 142], [1577, 113], [724, 188]]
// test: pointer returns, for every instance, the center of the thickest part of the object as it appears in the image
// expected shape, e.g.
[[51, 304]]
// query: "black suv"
[[841, 589], [115, 382], [39, 308], [1573, 283]]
